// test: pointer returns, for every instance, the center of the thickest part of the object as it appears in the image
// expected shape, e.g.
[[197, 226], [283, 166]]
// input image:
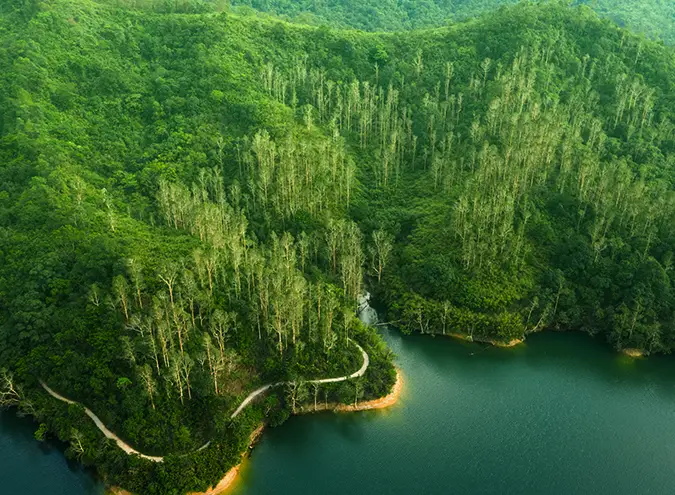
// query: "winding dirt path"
[[265, 388], [250, 398], [99, 424]]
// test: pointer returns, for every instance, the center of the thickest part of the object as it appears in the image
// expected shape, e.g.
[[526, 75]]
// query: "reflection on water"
[[31, 467], [560, 414]]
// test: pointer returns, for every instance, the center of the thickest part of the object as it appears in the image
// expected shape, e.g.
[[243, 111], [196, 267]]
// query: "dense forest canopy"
[[193, 199], [171, 238], [655, 18]]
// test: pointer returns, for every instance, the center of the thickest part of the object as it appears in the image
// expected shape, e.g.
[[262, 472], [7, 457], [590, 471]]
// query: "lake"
[[560, 414], [38, 468]]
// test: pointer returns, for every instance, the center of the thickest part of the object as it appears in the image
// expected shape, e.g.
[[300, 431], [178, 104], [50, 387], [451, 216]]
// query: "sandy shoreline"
[[383, 402], [496, 343], [231, 476], [510, 343], [225, 483]]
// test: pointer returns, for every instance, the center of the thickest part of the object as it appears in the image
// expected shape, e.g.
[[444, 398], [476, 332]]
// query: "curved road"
[[265, 388], [250, 398], [99, 424]]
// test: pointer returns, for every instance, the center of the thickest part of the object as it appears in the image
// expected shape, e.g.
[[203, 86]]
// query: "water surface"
[[29, 467], [562, 414]]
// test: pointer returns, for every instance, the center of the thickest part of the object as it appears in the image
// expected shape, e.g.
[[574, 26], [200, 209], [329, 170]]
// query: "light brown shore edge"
[[496, 343], [510, 343], [634, 353], [231, 476], [628, 351], [383, 402], [226, 482]]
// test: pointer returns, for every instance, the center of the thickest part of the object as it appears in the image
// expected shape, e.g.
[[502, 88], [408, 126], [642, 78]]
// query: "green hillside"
[[192, 202], [655, 18]]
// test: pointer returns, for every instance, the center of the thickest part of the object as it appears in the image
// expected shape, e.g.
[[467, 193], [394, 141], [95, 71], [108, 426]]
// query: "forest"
[[194, 197], [654, 18]]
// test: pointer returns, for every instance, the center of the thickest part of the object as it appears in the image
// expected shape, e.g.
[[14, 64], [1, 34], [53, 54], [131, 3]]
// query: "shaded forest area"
[[171, 238], [192, 201], [654, 18]]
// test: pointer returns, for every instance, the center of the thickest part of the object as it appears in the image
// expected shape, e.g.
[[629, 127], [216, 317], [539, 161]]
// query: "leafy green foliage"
[[191, 205], [655, 18], [162, 236]]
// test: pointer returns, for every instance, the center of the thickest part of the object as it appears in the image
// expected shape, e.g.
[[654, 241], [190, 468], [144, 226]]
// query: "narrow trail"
[[265, 388], [99, 424], [250, 398]]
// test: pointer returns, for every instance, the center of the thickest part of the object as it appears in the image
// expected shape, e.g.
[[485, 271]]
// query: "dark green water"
[[559, 415], [28, 467], [562, 414]]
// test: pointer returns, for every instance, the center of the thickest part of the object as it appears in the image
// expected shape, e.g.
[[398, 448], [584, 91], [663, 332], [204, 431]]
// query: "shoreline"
[[225, 482], [510, 343], [496, 343], [631, 352], [232, 475], [382, 403]]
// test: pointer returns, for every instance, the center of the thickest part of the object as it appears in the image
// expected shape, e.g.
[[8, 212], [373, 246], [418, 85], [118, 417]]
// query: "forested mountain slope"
[[162, 234], [655, 18], [192, 201]]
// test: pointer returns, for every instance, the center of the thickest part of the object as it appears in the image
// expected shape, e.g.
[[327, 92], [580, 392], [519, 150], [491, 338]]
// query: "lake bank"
[[387, 401], [383, 402], [474, 418], [481, 419], [469, 338], [230, 478], [634, 353], [224, 484]]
